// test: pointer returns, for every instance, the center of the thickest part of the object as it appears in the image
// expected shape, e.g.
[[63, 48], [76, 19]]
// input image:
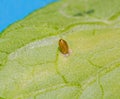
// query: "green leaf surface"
[[32, 67]]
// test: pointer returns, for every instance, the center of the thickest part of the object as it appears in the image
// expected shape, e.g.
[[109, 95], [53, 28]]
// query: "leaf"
[[32, 67]]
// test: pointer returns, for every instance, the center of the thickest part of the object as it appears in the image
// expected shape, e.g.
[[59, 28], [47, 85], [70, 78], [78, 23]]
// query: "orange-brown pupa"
[[63, 46]]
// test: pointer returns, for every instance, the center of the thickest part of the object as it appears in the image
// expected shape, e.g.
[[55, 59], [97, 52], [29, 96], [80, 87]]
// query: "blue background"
[[14, 10]]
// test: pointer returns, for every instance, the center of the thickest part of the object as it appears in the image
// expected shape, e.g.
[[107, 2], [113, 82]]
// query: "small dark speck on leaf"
[[90, 11], [79, 14], [85, 12]]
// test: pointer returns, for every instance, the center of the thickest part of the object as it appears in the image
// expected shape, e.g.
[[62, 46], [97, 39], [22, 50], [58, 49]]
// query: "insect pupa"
[[63, 46]]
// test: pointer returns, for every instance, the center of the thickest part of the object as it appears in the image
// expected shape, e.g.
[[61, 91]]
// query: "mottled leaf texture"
[[32, 67]]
